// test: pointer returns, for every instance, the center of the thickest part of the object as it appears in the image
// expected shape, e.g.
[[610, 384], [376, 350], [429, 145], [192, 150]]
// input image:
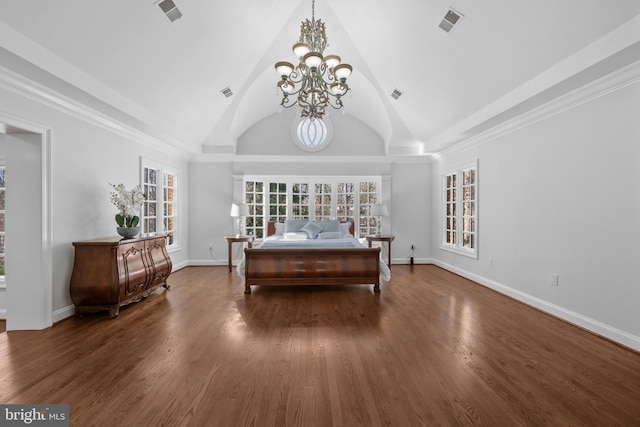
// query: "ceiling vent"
[[227, 92], [396, 94], [170, 10], [450, 20]]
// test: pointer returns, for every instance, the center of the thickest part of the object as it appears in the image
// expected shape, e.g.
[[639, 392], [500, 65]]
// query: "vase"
[[128, 232]]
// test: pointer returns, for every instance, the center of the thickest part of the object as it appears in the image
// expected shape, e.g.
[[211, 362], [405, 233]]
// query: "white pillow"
[[344, 227], [279, 228], [295, 235], [330, 235], [312, 229], [292, 225]]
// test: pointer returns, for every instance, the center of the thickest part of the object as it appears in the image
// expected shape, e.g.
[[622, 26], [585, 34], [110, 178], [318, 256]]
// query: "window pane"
[[466, 193], [468, 241]]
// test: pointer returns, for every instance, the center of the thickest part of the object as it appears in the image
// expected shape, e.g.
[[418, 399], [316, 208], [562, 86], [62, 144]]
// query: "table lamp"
[[240, 211], [379, 210]]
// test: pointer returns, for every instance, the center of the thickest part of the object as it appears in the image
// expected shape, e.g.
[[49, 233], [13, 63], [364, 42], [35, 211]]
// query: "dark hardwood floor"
[[431, 349]]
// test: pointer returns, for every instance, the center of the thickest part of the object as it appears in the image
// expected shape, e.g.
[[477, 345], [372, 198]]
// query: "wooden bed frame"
[[313, 266]]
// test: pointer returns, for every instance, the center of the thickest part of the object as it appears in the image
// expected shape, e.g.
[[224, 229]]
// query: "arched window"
[[312, 134]]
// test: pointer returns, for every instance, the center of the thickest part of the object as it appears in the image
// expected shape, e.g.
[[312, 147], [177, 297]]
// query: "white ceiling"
[[167, 76]]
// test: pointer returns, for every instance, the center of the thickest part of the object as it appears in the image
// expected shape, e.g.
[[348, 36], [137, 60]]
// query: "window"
[[460, 231], [159, 213], [311, 134], [368, 196], [317, 198], [254, 197], [324, 202]]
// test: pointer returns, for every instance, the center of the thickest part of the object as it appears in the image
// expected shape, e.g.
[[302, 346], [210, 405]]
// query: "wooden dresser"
[[109, 273]]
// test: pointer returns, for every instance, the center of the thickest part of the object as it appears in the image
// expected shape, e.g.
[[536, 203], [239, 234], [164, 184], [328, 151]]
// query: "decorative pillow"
[[312, 229], [296, 235], [279, 228], [345, 228], [332, 225], [330, 235], [293, 225]]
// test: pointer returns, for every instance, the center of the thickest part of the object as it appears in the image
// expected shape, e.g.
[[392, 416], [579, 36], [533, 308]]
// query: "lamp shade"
[[300, 49], [284, 69], [313, 59], [287, 86], [342, 71], [379, 210], [239, 209], [339, 89], [332, 61]]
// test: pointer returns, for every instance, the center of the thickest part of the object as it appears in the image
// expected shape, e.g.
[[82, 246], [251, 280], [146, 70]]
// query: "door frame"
[[38, 307]]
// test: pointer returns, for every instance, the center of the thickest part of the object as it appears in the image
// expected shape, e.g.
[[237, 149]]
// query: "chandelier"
[[317, 81]]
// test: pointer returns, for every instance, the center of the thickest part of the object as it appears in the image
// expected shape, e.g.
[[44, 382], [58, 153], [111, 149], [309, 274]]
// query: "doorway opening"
[[26, 297]]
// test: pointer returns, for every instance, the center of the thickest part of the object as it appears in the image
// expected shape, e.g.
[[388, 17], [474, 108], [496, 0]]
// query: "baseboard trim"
[[416, 261], [179, 266], [63, 313], [619, 336], [208, 263]]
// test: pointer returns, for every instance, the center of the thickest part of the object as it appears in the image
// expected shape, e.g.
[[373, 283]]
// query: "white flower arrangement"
[[128, 203]]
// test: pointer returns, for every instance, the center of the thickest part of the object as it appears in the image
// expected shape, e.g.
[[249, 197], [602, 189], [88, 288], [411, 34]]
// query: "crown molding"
[[23, 86], [612, 82], [243, 158]]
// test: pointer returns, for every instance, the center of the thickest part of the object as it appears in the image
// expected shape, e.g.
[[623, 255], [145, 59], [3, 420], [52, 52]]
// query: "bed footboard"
[[339, 266]]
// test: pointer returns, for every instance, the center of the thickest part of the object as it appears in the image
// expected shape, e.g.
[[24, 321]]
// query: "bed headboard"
[[271, 228]]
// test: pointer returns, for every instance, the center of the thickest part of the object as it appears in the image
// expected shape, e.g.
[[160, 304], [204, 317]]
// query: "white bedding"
[[285, 241], [276, 241]]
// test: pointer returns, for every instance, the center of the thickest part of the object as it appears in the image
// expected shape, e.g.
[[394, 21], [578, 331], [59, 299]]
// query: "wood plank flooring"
[[432, 349]]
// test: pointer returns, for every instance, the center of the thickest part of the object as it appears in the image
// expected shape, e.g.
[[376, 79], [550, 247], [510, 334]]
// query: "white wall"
[[210, 201], [85, 157], [272, 136], [26, 292], [407, 187], [410, 211], [561, 196]]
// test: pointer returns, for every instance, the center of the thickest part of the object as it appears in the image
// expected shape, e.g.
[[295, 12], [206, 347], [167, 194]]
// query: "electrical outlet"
[[490, 262], [413, 246], [554, 280]]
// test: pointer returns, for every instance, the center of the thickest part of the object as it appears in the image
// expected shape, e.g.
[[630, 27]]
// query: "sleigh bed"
[[339, 259]]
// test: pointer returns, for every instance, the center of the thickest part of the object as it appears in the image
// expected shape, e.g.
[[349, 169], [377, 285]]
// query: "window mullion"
[[312, 200], [159, 201]]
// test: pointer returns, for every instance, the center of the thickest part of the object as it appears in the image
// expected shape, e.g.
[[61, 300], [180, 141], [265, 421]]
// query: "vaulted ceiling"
[[502, 58]]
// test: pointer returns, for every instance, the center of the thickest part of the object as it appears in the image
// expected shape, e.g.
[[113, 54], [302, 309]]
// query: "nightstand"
[[387, 239], [237, 239]]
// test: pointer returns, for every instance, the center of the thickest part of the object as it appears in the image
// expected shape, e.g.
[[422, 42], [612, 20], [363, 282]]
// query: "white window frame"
[[359, 212], [458, 247], [302, 141], [160, 170]]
